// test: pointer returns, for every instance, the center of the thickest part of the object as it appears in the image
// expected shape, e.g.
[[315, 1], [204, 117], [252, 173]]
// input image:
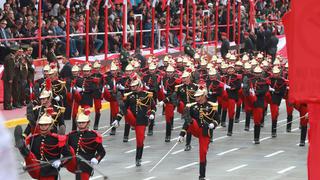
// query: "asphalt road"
[[228, 157]]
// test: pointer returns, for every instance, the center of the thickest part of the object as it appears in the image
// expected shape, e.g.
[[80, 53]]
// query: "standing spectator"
[[8, 77], [248, 44], [260, 43], [4, 34], [225, 46], [272, 46]]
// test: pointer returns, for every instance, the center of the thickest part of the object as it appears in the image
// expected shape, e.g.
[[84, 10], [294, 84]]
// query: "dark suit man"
[[225, 46], [7, 77]]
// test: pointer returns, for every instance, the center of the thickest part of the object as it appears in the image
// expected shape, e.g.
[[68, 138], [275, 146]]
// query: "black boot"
[[274, 129], [243, 105], [113, 130], [19, 141], [211, 135], [163, 110], [150, 128], [168, 132], [303, 135], [188, 142], [138, 156], [74, 124], [247, 123], [289, 123], [126, 132], [262, 120], [257, 134], [230, 127], [219, 109], [172, 124], [224, 117], [96, 121], [237, 114], [202, 170]]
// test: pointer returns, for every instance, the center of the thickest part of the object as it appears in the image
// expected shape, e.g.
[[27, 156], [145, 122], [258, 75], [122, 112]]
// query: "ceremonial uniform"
[[97, 95], [277, 89], [198, 118], [112, 95], [7, 77], [169, 83], [139, 108], [259, 88], [248, 104], [87, 144]]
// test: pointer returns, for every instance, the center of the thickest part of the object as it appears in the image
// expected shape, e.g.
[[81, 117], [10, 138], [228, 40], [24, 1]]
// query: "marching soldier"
[[42, 152], [151, 83], [86, 145], [303, 112], [239, 72], [47, 104], [139, 109], [112, 94], [277, 89], [38, 83], [200, 117], [232, 86], [248, 104], [258, 90], [185, 94], [97, 93], [170, 80], [289, 105]]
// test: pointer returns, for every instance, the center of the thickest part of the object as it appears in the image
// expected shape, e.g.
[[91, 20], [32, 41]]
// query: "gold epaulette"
[[177, 86], [61, 109], [62, 82], [214, 105], [150, 94], [37, 107], [127, 94], [191, 104]]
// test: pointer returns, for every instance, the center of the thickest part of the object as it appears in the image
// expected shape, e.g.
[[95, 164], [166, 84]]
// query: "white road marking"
[[178, 127], [225, 152], [95, 177], [273, 154], [132, 139], [265, 138], [295, 129], [251, 129], [242, 121], [176, 119], [176, 152], [150, 178], [282, 120], [142, 163], [286, 170], [134, 150], [174, 139], [238, 167], [188, 165], [222, 137]]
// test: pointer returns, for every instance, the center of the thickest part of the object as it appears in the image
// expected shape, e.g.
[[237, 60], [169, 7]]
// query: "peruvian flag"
[[302, 31]]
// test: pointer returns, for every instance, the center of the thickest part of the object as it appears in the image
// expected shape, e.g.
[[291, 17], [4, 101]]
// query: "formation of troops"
[[204, 89]]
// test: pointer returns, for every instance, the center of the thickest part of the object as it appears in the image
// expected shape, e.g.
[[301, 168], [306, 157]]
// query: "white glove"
[[107, 86], [160, 86], [211, 126], [252, 91], [56, 164], [180, 139], [151, 117], [102, 91], [57, 98], [147, 87], [242, 85], [288, 87], [161, 103], [119, 86], [78, 89], [210, 92], [33, 67], [271, 89], [94, 161], [115, 123], [164, 91], [226, 87]]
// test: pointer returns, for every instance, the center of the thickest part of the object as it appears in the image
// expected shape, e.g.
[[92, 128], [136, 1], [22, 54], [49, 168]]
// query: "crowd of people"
[[204, 88], [19, 19]]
